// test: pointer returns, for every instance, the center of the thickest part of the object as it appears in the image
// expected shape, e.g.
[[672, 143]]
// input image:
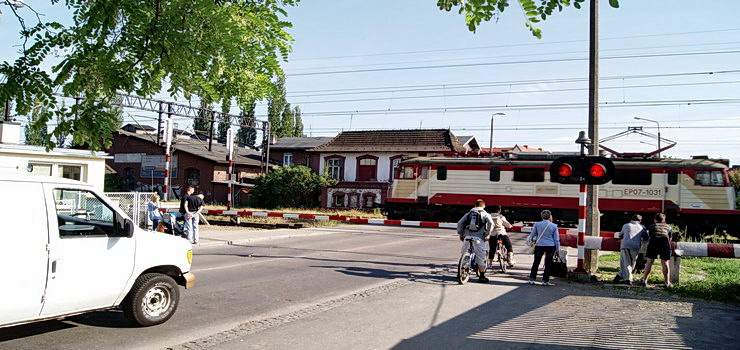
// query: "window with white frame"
[[73, 172], [288, 159], [334, 168]]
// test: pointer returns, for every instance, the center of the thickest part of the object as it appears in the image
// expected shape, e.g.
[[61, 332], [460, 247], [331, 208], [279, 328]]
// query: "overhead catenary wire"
[[523, 45], [467, 85], [496, 63], [529, 55], [515, 92]]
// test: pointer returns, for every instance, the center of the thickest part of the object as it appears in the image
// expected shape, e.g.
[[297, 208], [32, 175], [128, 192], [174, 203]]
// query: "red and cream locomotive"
[[695, 193]]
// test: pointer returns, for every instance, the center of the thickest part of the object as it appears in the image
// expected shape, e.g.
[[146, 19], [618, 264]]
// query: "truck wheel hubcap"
[[156, 301]]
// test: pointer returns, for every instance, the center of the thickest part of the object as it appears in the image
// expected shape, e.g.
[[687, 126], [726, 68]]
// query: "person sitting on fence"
[[631, 234], [659, 246], [153, 210]]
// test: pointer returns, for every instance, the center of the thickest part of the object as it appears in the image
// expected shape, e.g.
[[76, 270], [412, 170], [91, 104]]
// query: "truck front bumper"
[[189, 278]]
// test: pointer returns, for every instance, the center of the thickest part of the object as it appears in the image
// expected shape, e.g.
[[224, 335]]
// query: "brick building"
[[139, 161], [365, 161], [293, 151]]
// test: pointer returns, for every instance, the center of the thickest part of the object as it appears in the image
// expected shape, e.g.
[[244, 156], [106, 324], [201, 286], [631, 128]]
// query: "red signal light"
[[565, 170], [597, 170]]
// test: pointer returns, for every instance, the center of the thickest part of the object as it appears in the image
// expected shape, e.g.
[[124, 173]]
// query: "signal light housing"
[[590, 170]]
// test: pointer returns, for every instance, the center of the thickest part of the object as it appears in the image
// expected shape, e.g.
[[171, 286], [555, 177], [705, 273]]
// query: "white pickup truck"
[[65, 249]]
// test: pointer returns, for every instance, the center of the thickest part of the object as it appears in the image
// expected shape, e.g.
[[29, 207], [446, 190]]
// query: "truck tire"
[[152, 300]]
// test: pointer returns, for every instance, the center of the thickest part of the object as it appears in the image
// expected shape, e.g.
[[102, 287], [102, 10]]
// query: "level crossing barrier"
[[607, 241]]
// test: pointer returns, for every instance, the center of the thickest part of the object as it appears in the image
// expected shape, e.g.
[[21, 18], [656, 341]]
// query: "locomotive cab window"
[[529, 175], [442, 173], [633, 177], [672, 177], [406, 172], [709, 178], [495, 174]]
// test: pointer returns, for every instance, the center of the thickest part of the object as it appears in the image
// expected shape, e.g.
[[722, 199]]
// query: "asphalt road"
[[375, 287]]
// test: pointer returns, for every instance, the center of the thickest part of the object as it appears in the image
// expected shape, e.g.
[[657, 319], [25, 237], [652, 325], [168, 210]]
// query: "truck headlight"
[[190, 256]]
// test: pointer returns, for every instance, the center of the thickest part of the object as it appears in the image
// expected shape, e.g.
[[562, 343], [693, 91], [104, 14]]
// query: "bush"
[[290, 186]]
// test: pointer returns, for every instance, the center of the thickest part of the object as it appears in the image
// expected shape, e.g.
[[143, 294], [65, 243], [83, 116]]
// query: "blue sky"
[[360, 35]]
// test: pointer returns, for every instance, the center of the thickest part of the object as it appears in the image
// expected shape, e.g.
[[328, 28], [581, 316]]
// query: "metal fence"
[[133, 204]]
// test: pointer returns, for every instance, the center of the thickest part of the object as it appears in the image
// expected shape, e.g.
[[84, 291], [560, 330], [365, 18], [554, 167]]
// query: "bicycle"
[[502, 255], [466, 263]]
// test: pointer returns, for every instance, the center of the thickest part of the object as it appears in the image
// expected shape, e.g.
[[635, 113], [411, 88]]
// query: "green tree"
[[225, 122], [287, 124], [202, 121], [535, 11], [275, 106], [298, 122], [36, 130], [61, 136], [219, 50], [247, 134], [289, 187]]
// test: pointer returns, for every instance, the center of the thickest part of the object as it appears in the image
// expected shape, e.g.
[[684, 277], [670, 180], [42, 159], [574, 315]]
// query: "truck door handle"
[[54, 266]]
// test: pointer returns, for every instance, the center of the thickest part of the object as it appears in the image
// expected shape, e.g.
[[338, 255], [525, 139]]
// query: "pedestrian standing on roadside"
[[659, 246], [477, 225], [546, 239], [153, 210], [187, 214], [195, 207], [631, 235]]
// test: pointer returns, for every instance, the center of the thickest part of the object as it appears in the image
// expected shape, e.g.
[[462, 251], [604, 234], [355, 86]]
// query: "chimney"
[[10, 132], [273, 139]]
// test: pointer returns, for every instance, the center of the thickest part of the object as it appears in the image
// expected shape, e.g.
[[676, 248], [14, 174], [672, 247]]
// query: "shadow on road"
[[580, 316], [32, 329]]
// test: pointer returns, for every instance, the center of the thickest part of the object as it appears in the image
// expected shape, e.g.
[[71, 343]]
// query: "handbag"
[[558, 267], [533, 244]]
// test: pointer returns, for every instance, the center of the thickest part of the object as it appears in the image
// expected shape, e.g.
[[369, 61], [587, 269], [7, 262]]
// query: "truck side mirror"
[[124, 227]]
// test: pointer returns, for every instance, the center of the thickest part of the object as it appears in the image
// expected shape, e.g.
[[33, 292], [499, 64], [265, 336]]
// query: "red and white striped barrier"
[[712, 250], [568, 236]]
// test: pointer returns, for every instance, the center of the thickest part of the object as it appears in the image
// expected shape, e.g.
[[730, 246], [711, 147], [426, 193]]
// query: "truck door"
[[23, 255], [89, 265]]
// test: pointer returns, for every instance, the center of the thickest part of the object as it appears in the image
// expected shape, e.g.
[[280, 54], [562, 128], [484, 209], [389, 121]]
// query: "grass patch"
[[705, 278]]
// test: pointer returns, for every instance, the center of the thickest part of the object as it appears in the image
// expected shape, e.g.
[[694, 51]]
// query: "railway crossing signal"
[[589, 170]]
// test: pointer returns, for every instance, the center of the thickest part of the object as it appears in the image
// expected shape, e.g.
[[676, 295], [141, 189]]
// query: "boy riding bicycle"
[[500, 224], [477, 226]]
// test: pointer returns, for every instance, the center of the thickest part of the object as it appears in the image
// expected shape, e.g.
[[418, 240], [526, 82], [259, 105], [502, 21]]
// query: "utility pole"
[[230, 158], [159, 124], [490, 140], [169, 125], [593, 215]]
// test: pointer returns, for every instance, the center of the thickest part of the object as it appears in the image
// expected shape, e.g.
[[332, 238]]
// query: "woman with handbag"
[[543, 240]]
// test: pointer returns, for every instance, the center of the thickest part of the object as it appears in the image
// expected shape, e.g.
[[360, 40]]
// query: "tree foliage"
[[36, 131], [535, 11], [247, 135], [287, 124], [275, 105], [290, 187], [202, 121], [298, 122], [218, 50]]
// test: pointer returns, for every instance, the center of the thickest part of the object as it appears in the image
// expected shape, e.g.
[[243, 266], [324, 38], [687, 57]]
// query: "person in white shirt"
[[500, 224]]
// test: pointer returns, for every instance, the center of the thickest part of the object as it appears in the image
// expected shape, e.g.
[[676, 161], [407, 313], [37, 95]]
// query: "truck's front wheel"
[[152, 300]]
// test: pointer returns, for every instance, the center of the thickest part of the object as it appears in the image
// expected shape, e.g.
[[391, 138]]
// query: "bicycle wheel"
[[463, 268], [502, 255]]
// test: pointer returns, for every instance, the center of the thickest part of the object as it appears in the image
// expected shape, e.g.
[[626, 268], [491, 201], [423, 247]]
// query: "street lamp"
[[490, 140], [656, 122]]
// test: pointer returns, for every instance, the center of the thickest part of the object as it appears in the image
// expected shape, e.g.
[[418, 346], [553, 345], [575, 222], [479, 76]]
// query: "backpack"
[[474, 222]]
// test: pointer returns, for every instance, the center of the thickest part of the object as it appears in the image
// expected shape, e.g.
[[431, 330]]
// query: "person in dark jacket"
[[659, 246]]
